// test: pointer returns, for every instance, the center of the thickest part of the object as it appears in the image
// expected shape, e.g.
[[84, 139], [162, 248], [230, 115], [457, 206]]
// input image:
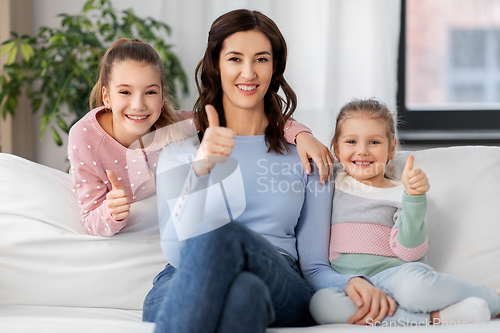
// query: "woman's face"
[[246, 69]]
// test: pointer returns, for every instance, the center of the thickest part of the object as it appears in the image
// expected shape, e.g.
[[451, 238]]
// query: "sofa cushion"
[[463, 210], [46, 257]]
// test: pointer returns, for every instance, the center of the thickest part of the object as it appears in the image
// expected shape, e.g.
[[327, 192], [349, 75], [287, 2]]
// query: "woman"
[[233, 250]]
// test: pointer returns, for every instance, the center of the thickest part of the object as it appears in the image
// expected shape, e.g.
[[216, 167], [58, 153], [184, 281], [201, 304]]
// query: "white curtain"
[[338, 49]]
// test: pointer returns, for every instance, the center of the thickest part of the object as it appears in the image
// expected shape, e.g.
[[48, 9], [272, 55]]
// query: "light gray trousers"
[[417, 289]]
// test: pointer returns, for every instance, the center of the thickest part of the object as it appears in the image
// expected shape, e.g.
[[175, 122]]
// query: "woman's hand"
[[116, 199], [373, 303], [310, 147], [414, 180], [216, 146]]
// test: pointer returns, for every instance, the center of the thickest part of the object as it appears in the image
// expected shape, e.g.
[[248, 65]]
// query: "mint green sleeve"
[[411, 223]]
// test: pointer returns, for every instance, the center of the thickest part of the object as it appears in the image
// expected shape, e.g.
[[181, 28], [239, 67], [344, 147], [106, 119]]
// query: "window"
[[449, 71]]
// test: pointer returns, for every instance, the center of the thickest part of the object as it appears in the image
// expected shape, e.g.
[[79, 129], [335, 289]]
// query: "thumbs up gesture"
[[116, 199], [414, 180], [217, 143]]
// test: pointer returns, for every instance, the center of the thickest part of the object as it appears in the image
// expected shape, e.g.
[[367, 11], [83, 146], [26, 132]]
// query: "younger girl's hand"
[[414, 180], [373, 303], [216, 146], [116, 199], [310, 147]]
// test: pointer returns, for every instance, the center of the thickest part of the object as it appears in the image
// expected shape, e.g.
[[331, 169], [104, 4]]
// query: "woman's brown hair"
[[132, 49], [277, 109]]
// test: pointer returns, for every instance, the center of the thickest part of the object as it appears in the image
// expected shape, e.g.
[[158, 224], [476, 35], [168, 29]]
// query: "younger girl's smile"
[[363, 149], [362, 163]]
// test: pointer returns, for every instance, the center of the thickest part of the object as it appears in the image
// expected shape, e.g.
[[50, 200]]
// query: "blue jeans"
[[229, 280], [416, 287]]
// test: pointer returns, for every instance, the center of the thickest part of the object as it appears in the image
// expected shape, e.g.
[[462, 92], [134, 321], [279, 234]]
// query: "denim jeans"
[[229, 280], [416, 287]]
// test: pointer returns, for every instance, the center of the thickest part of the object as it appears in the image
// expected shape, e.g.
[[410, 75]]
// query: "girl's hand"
[[310, 147], [116, 199], [216, 146], [373, 303], [414, 180]]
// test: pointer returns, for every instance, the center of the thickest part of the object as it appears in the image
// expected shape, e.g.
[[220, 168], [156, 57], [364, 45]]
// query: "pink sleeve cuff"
[[99, 222], [292, 129], [404, 253]]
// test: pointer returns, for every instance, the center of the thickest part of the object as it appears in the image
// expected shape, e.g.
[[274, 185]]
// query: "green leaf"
[[4, 111], [56, 38], [89, 5], [56, 137], [27, 51], [4, 81], [8, 46], [12, 56], [62, 124], [37, 102], [67, 21], [43, 124], [12, 103]]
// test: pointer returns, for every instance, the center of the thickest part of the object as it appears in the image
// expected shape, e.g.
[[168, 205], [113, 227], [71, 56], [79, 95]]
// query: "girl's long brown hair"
[[277, 109]]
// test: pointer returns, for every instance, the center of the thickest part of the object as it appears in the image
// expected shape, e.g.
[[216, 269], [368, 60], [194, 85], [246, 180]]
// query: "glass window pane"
[[452, 55], [468, 48], [497, 43]]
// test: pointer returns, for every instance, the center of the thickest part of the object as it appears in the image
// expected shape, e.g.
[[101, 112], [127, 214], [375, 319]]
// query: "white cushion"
[[53, 319], [464, 210], [46, 257]]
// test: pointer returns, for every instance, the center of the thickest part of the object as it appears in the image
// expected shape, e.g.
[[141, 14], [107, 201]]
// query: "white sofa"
[[56, 278]]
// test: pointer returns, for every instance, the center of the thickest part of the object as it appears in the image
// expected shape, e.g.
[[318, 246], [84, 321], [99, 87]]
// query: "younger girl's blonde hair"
[[132, 49]]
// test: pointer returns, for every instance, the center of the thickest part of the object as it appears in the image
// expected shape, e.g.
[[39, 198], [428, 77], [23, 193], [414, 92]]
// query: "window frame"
[[441, 126]]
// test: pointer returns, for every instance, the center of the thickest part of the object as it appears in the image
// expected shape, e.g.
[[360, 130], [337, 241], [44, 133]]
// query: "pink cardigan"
[[92, 151]]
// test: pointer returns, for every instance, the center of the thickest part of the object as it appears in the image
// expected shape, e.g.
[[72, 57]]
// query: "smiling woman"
[[233, 262]]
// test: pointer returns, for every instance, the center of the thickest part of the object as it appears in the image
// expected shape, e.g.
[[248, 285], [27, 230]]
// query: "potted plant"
[[59, 66]]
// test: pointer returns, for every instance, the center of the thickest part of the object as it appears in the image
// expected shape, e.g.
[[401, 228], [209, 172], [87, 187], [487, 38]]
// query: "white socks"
[[469, 310]]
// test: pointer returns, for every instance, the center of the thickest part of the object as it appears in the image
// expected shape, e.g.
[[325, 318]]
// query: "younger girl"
[[131, 100], [378, 230]]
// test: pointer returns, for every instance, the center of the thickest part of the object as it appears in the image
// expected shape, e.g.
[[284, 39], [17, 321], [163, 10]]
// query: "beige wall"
[[17, 133]]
